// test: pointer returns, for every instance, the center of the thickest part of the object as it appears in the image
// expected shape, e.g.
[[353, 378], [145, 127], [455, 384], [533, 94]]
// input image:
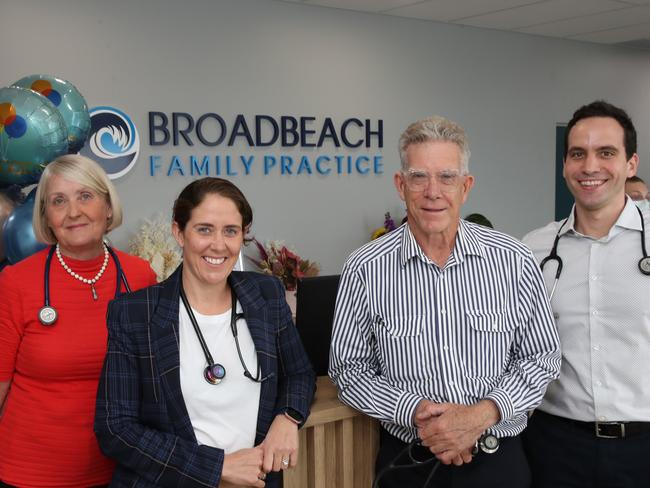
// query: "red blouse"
[[46, 426]]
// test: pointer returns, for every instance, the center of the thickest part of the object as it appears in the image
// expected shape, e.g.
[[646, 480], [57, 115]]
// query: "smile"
[[591, 183], [214, 261]]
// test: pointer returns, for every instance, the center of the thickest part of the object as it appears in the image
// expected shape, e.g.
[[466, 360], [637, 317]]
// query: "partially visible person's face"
[[77, 215], [435, 208], [637, 190], [211, 240], [595, 166]]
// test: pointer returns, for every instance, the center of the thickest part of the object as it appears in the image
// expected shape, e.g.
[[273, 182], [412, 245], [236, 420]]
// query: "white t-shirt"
[[223, 415]]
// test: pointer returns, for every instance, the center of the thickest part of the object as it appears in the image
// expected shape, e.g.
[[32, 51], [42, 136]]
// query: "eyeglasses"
[[419, 180]]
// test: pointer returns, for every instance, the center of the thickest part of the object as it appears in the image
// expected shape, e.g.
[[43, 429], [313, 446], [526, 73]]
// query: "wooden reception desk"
[[338, 445]]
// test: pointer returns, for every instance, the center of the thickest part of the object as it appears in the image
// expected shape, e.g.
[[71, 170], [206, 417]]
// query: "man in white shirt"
[[593, 427]]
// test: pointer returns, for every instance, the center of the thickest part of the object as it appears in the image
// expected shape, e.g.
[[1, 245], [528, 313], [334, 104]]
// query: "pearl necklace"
[[81, 278]]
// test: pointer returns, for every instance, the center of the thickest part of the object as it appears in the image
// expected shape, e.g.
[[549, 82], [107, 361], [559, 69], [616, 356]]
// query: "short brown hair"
[[193, 194]]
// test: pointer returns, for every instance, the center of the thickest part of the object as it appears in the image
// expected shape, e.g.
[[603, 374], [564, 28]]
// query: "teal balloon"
[[32, 133], [67, 99], [18, 233]]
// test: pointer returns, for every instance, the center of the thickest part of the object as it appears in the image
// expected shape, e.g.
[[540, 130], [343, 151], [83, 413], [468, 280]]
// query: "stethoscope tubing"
[[121, 278], [554, 256]]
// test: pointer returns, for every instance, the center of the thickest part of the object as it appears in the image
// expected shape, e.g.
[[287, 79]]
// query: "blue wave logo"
[[113, 141]]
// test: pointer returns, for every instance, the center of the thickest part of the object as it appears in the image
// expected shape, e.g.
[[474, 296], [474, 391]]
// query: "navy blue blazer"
[[141, 420]]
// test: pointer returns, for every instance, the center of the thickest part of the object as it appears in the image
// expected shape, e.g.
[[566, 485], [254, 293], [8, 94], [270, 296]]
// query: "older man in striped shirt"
[[443, 330]]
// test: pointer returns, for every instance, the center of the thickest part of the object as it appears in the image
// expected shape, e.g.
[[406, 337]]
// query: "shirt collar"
[[467, 243], [628, 218]]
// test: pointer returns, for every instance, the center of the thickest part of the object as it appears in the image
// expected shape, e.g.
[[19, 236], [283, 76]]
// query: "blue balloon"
[[70, 103], [18, 233], [32, 133]]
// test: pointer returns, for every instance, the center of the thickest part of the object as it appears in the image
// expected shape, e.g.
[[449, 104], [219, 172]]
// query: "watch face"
[[489, 443]]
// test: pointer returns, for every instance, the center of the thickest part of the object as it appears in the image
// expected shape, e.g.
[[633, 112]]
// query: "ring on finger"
[[285, 462]]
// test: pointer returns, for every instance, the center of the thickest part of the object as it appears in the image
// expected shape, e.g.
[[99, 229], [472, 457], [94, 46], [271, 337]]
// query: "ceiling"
[[622, 22]]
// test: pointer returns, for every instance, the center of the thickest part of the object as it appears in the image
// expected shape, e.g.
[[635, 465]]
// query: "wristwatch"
[[489, 443], [294, 416]]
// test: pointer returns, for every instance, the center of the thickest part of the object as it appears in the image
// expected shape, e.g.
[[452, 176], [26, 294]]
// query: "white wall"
[[261, 57]]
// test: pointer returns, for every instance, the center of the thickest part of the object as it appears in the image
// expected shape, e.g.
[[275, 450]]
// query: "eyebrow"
[[599, 148], [206, 224], [76, 192]]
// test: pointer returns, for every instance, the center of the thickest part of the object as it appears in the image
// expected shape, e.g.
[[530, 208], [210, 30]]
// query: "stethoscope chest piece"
[[47, 315], [214, 373], [644, 265]]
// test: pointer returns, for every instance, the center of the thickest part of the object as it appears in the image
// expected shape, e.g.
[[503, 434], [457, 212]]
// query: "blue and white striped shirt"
[[481, 327]]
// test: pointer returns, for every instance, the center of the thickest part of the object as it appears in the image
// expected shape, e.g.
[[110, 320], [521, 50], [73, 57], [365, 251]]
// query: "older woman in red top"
[[53, 330]]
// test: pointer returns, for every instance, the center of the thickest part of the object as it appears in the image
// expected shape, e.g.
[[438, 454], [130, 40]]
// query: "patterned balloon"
[[70, 103], [18, 233], [32, 133]]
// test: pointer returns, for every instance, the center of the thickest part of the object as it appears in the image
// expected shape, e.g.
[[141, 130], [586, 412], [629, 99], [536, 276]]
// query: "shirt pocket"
[[399, 342], [399, 325], [488, 342]]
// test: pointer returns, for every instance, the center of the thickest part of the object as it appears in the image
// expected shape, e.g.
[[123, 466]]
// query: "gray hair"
[[432, 129], [84, 171]]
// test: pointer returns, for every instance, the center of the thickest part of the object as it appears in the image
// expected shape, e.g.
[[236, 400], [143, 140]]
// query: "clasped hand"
[[451, 430], [248, 467]]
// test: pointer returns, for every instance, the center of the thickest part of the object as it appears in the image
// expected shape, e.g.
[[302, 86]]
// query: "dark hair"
[[600, 108], [481, 219], [193, 194], [635, 179]]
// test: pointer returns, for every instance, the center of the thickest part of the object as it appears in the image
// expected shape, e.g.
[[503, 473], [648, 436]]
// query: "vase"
[[290, 297]]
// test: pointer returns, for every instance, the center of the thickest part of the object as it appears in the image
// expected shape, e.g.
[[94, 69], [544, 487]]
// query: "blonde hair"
[[84, 171]]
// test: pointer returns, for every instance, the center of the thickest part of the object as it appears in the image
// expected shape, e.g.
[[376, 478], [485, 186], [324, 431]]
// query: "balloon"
[[70, 103], [32, 133], [6, 207], [18, 234]]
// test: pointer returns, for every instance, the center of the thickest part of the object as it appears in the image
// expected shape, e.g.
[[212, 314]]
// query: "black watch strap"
[[294, 415]]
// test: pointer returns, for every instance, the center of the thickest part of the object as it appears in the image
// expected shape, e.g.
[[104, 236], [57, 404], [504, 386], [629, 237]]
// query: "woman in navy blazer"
[[145, 395]]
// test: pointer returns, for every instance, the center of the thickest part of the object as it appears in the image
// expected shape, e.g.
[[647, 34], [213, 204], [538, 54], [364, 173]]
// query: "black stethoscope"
[[644, 262], [420, 456], [47, 315], [214, 373]]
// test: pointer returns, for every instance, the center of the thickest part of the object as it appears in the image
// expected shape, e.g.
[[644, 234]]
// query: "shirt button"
[[595, 312], [452, 383], [596, 348], [602, 418], [446, 348], [594, 277], [599, 383], [443, 311]]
